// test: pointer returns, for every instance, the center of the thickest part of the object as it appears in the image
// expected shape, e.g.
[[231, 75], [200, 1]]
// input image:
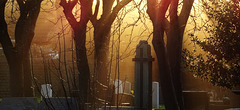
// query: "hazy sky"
[[51, 22]]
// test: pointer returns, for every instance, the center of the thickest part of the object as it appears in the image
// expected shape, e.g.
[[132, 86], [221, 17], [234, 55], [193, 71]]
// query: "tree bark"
[[102, 30], [18, 55], [28, 90], [102, 40], [79, 29], [82, 64], [174, 47], [16, 77], [166, 81]]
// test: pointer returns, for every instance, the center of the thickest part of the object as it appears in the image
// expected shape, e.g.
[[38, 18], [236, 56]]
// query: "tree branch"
[[33, 11], [67, 10], [107, 8], [185, 12], [166, 25], [94, 16], [173, 10], [4, 36], [21, 4], [117, 8], [86, 11], [152, 6], [163, 7]]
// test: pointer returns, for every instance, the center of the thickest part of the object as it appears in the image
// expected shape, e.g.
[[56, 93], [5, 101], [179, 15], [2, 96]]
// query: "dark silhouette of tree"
[[169, 54], [18, 55], [102, 30], [79, 32], [221, 64]]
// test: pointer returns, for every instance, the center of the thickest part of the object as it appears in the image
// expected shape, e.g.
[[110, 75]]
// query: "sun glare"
[[68, 0], [95, 2]]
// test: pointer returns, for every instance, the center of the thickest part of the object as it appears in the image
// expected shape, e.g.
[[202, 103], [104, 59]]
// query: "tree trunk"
[[28, 91], [166, 81], [101, 54], [18, 56], [20, 77], [174, 49], [16, 76], [82, 64], [102, 39]]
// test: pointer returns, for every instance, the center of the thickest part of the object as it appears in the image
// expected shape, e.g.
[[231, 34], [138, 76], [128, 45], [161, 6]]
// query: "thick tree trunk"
[[16, 77], [101, 54], [20, 76], [102, 39], [102, 30], [82, 64], [174, 49], [28, 90], [18, 56], [79, 28], [166, 81]]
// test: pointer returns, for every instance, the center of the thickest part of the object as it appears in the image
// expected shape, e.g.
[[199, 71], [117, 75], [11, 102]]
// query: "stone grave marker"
[[118, 84], [127, 87], [46, 91], [143, 77], [155, 95]]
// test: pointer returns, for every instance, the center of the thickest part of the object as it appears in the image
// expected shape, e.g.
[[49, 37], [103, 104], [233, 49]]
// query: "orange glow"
[[68, 0]]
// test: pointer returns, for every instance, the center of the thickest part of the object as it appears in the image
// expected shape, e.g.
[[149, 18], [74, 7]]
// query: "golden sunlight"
[[68, 0], [95, 2]]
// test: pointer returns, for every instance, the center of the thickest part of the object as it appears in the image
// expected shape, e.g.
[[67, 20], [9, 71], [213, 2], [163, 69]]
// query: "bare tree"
[[169, 55], [79, 31], [102, 30], [18, 55]]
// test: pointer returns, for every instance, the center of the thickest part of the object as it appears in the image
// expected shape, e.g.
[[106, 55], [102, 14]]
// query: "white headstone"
[[155, 95], [46, 90], [127, 87], [118, 86]]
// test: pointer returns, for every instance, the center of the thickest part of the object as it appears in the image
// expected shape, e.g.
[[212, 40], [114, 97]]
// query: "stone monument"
[[118, 84], [127, 87], [143, 77], [155, 95], [46, 91]]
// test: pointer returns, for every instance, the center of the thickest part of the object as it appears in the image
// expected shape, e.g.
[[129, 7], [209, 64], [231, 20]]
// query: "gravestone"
[[155, 95], [118, 86], [18, 103], [46, 91], [127, 87], [143, 77]]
